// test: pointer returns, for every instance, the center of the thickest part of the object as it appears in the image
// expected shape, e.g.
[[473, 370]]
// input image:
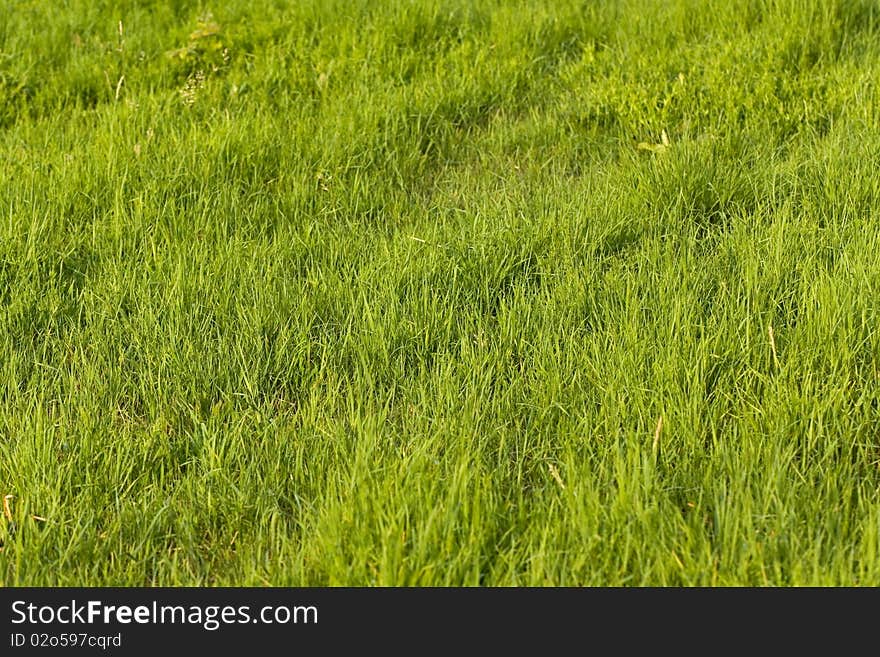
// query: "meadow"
[[440, 292]]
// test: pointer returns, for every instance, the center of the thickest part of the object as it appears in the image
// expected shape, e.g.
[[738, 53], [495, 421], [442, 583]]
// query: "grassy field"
[[436, 292]]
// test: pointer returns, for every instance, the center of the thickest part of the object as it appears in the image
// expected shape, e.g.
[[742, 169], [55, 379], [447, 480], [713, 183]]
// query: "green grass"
[[396, 293]]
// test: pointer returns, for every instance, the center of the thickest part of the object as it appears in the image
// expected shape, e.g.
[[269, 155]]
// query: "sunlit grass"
[[440, 293]]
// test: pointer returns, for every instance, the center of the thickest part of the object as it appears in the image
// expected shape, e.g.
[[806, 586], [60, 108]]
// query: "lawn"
[[440, 292]]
